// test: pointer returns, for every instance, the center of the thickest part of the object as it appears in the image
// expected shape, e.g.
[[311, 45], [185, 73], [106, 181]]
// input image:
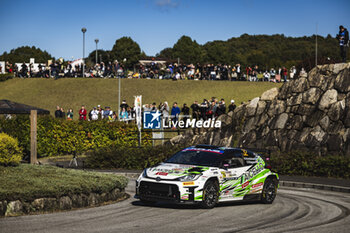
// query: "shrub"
[[129, 157], [10, 152], [60, 137], [308, 164]]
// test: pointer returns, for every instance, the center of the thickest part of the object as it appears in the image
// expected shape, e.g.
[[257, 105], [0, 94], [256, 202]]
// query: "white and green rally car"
[[207, 175]]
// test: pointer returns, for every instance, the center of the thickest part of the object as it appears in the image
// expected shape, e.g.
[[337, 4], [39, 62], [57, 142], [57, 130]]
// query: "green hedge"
[[28, 182], [292, 163], [4, 77], [60, 137], [308, 164], [129, 158]]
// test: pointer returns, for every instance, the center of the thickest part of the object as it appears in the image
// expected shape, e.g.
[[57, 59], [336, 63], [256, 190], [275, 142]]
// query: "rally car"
[[207, 175]]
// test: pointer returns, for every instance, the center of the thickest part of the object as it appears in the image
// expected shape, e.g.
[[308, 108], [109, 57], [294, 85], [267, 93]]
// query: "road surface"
[[304, 210]]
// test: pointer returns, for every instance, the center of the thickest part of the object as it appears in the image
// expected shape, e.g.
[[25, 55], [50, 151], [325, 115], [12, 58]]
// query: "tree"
[[166, 53], [187, 50], [123, 48], [24, 53], [103, 56]]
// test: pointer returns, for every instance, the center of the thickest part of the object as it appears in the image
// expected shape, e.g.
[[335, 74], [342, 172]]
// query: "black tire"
[[269, 191], [210, 195]]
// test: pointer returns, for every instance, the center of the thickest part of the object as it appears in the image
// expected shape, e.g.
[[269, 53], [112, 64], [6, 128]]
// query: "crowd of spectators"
[[157, 70], [211, 108]]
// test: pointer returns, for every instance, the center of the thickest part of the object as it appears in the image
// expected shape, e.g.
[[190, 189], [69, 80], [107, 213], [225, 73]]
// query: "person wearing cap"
[[343, 38], [124, 105], [232, 106]]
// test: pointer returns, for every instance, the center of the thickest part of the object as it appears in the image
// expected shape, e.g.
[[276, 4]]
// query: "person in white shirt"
[[94, 114]]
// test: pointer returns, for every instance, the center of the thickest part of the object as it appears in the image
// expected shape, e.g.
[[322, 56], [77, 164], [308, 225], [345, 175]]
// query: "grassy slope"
[[72, 93], [29, 182]]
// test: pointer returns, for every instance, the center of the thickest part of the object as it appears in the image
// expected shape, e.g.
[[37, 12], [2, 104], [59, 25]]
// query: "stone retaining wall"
[[308, 113], [67, 202]]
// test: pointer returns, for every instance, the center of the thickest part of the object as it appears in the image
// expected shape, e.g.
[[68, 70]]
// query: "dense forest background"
[[262, 50]]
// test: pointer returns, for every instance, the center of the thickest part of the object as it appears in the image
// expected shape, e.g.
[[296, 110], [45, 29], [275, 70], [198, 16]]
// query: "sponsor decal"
[[223, 174], [245, 153], [188, 183], [253, 172], [245, 184], [184, 197], [257, 185], [162, 173]]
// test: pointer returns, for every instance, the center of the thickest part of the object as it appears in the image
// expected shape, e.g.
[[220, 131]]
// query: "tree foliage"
[[188, 50], [24, 53], [102, 56], [262, 50], [123, 48]]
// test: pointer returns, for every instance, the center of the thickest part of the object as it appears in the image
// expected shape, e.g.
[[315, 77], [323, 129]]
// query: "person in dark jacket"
[[232, 106], [343, 38], [195, 110], [186, 111], [58, 112]]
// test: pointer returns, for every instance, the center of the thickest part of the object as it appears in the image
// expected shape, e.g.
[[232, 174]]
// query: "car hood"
[[173, 171]]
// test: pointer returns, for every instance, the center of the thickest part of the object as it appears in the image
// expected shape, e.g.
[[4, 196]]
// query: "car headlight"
[[189, 177]]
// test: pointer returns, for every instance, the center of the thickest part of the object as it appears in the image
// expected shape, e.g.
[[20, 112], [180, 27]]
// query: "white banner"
[[138, 110]]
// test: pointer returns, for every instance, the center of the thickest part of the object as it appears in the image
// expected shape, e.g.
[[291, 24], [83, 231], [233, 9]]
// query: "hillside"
[[72, 93]]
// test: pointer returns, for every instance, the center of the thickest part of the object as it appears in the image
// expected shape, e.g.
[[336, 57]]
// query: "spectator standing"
[[284, 73], [221, 109], [100, 111], [165, 111], [203, 108], [58, 112], [70, 114], [232, 106], [123, 116], [195, 110], [175, 111], [63, 115], [94, 114], [186, 111], [124, 105], [273, 75], [82, 113], [343, 38]]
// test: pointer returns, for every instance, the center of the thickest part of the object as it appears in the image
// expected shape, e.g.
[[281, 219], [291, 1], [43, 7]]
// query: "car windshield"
[[197, 157]]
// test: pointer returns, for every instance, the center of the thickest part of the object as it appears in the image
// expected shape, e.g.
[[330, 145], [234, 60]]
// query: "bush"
[[129, 158], [61, 137], [308, 164], [10, 152], [4, 77]]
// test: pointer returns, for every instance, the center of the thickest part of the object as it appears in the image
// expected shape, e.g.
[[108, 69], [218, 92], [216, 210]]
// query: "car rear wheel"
[[210, 195], [269, 191]]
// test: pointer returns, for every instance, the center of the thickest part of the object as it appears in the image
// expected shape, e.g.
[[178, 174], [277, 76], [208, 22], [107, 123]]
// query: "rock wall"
[[307, 113], [49, 204]]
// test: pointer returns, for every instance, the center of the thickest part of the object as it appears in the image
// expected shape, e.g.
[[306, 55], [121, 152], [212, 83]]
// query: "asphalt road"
[[304, 210]]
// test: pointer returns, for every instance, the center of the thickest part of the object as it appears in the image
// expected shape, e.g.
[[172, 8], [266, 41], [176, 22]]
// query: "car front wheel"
[[210, 195]]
